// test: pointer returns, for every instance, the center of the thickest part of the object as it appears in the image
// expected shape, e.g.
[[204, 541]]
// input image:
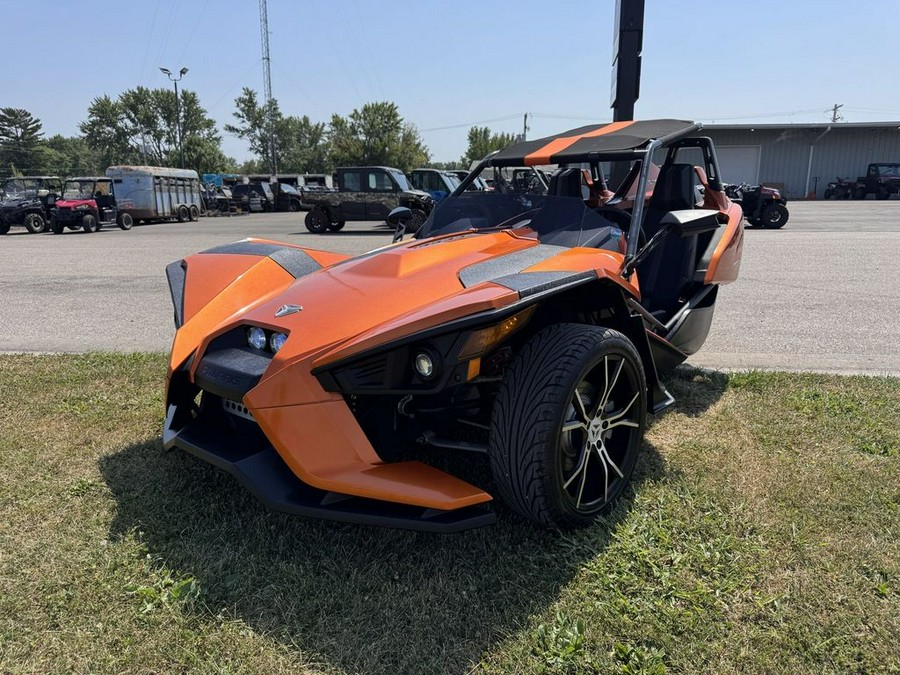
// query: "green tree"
[[70, 156], [301, 145], [20, 141], [483, 142], [376, 134], [141, 127]]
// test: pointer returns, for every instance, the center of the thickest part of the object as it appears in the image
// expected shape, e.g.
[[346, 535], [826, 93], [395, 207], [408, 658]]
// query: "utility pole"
[[525, 127], [267, 82], [834, 113]]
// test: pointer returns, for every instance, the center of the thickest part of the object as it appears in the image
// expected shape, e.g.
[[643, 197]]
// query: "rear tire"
[[183, 214], [859, 193], [774, 216], [294, 206], [35, 223], [89, 223], [193, 213], [567, 424], [4, 228], [126, 222], [56, 227], [338, 226], [317, 221]]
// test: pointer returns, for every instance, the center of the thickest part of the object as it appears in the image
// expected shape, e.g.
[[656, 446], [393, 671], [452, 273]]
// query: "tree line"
[[140, 126]]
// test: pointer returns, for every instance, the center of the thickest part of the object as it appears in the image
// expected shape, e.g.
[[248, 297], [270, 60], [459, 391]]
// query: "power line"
[[472, 124]]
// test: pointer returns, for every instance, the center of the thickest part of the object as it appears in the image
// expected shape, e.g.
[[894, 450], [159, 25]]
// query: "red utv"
[[88, 203]]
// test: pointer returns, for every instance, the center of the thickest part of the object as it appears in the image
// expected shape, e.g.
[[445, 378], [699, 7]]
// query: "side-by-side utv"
[[512, 349]]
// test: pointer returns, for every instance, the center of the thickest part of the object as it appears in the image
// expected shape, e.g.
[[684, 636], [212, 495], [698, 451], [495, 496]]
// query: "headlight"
[[277, 341], [483, 340], [256, 338], [424, 365], [82, 207]]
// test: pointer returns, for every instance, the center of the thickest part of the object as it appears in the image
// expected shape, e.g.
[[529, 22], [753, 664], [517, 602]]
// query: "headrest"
[[674, 188], [566, 183]]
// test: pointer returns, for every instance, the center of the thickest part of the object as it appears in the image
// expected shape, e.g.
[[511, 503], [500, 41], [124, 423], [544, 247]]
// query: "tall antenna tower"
[[267, 83]]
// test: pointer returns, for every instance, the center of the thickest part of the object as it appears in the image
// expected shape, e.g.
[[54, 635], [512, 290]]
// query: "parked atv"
[[27, 201], [88, 203], [763, 206]]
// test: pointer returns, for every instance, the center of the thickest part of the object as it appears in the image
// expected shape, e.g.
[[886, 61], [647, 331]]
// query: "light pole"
[[176, 80]]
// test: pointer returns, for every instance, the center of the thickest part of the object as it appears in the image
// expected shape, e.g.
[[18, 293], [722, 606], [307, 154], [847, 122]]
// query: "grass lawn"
[[762, 535]]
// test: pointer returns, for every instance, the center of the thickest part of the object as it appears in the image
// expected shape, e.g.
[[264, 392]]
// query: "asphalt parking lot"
[[821, 294]]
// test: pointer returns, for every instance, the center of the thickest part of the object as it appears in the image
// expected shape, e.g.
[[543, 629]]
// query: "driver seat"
[[670, 267]]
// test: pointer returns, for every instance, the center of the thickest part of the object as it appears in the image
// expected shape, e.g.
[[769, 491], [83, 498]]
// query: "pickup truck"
[[365, 193], [882, 179]]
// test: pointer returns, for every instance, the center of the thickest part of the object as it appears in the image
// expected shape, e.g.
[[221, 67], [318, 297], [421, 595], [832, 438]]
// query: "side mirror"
[[399, 217], [691, 221]]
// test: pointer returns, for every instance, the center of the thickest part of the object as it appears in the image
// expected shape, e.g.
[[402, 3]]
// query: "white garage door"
[[739, 163]]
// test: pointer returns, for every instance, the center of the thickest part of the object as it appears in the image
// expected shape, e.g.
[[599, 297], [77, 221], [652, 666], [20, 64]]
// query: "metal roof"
[[811, 125]]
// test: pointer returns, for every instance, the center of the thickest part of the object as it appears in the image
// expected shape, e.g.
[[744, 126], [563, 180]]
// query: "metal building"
[[793, 156]]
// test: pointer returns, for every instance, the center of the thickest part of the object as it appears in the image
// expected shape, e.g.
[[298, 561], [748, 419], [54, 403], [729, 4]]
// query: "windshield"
[[453, 179], [400, 178], [288, 189], [889, 170], [79, 189], [17, 188]]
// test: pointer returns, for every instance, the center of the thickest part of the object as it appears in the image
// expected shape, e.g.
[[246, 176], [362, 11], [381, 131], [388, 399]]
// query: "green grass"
[[762, 535]]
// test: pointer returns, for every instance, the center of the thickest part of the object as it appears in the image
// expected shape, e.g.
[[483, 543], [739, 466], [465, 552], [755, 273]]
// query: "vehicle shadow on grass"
[[356, 598]]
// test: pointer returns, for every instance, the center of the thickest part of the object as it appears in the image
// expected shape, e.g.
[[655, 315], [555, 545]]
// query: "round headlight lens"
[[256, 338], [424, 365], [277, 341]]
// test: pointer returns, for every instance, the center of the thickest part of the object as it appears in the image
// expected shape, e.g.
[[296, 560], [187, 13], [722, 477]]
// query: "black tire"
[[183, 214], [317, 221], [294, 206], [35, 223], [828, 194], [338, 226], [89, 223], [859, 193], [774, 216], [4, 228], [882, 194], [418, 217], [57, 227], [126, 222], [544, 446], [193, 213], [754, 222]]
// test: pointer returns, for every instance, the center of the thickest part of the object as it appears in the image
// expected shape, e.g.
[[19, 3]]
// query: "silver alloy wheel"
[[597, 432]]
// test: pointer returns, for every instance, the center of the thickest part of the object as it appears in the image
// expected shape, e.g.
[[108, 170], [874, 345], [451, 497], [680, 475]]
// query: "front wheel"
[[567, 424], [294, 206], [883, 193], [774, 216], [859, 193], [89, 223], [35, 223], [126, 222], [418, 218], [338, 226], [317, 221]]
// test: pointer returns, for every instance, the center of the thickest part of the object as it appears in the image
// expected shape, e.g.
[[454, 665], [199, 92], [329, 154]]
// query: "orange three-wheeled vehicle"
[[513, 348]]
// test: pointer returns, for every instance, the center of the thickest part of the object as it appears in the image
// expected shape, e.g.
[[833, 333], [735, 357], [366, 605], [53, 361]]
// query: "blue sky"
[[453, 64]]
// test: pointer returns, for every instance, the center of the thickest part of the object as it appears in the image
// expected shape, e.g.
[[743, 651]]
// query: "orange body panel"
[[543, 155], [726, 259], [327, 449], [607, 264]]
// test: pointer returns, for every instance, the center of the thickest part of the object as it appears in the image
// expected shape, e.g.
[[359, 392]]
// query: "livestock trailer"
[[157, 193]]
